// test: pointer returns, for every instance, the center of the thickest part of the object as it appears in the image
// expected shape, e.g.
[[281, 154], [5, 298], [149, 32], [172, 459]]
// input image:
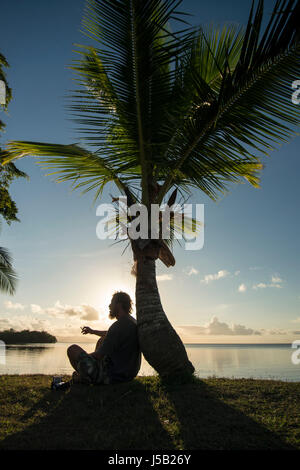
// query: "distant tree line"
[[14, 337]]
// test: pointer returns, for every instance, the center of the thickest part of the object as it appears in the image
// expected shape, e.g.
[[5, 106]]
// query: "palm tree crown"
[[185, 109]]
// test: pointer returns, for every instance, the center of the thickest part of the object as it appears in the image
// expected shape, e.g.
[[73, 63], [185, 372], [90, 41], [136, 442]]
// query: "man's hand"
[[87, 330]]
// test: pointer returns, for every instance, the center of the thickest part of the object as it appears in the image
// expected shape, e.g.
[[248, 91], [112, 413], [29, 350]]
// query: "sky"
[[241, 287]]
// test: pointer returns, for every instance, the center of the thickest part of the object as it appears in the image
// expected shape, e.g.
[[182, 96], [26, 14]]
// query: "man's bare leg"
[[73, 353]]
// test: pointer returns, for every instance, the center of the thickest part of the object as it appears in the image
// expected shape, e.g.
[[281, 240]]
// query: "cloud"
[[214, 277], [276, 282], [64, 328], [164, 277], [25, 323], [62, 320], [90, 313], [215, 327], [190, 270], [236, 273], [14, 306], [84, 312], [276, 331], [242, 288], [36, 308], [262, 285]]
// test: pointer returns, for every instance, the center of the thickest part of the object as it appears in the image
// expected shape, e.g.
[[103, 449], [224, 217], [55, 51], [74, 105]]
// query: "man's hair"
[[124, 299]]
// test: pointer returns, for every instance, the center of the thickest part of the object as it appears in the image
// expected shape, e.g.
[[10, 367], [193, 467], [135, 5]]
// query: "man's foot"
[[62, 386], [58, 384]]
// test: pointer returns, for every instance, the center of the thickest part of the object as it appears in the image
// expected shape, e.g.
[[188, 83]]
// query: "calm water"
[[256, 361]]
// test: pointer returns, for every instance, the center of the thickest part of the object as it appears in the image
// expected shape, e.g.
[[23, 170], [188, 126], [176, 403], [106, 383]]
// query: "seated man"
[[117, 357]]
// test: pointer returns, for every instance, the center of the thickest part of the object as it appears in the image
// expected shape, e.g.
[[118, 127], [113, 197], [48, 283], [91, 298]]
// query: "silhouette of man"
[[117, 356]]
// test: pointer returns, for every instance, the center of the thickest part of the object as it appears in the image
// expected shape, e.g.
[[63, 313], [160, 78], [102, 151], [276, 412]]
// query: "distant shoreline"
[[239, 344], [11, 337], [229, 345]]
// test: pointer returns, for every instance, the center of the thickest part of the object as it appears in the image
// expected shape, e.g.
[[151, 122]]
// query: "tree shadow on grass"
[[133, 416], [92, 417], [209, 423]]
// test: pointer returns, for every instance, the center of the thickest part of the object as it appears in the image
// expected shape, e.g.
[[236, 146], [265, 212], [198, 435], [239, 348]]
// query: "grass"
[[146, 414]]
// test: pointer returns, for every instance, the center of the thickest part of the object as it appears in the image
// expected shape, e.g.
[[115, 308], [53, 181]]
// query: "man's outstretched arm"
[[87, 330]]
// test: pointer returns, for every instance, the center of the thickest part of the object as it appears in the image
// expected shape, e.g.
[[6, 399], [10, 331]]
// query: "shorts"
[[93, 371]]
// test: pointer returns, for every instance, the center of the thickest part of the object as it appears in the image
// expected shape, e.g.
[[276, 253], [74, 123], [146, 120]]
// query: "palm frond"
[[8, 277], [8, 92], [9, 171], [83, 168], [127, 77], [249, 113], [167, 110]]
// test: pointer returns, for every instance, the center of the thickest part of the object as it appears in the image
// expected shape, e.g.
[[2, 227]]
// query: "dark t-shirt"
[[121, 346]]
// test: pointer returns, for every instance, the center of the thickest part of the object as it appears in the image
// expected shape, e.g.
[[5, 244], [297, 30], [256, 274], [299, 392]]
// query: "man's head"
[[121, 304]]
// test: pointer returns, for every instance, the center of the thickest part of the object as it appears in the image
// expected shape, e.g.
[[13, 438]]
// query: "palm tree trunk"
[[160, 344]]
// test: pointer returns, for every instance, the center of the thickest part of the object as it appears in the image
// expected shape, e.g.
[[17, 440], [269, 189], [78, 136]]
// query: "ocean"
[[258, 361]]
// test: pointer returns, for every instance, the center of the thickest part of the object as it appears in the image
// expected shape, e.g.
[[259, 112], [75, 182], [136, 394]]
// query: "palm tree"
[[8, 208], [177, 110]]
